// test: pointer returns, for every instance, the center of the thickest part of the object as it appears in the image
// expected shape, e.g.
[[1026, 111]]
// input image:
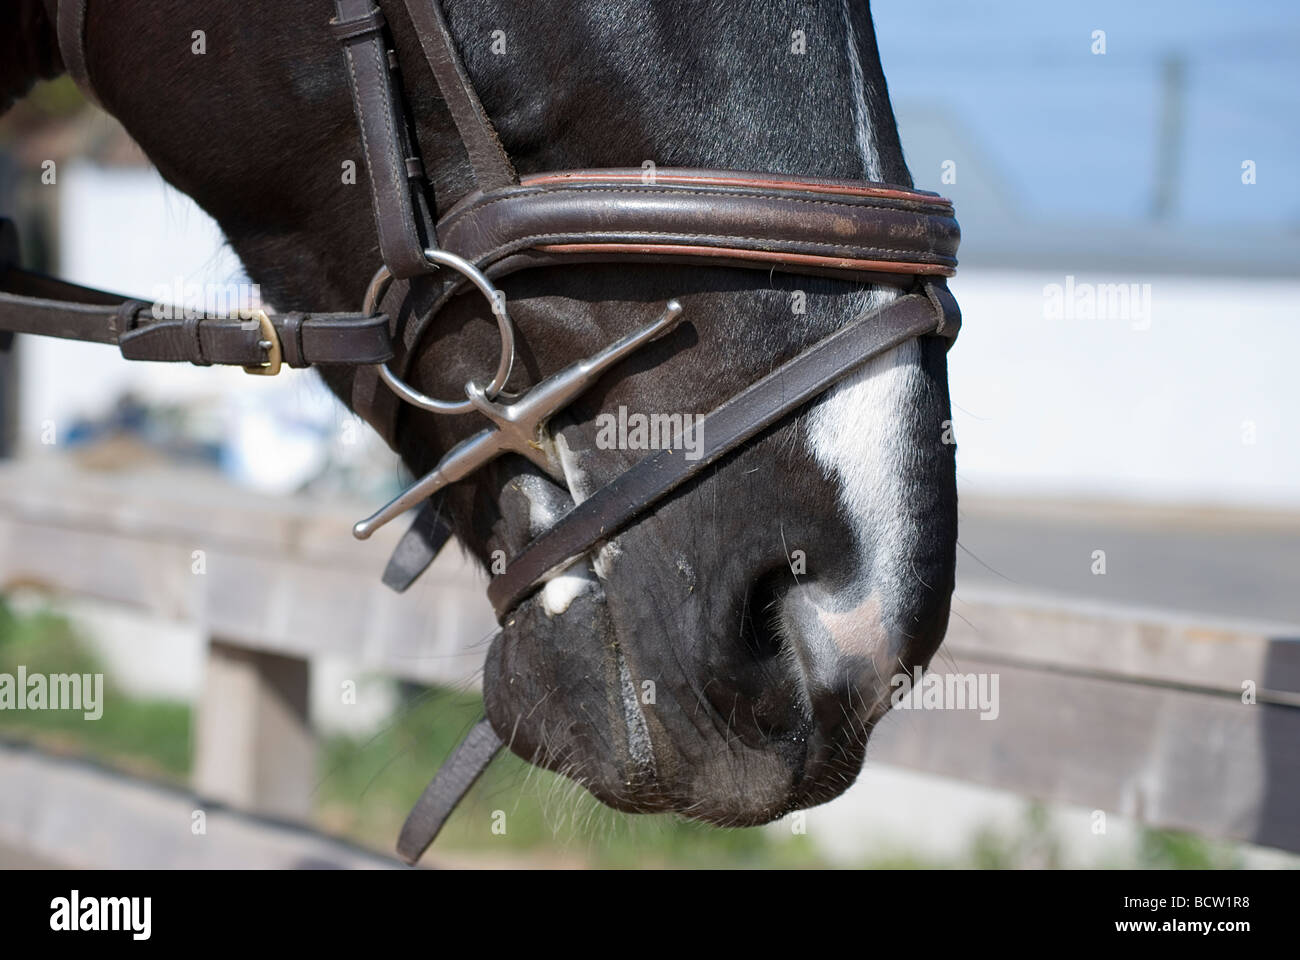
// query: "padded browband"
[[705, 216]]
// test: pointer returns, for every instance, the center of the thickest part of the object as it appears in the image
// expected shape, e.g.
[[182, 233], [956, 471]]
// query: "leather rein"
[[856, 230]]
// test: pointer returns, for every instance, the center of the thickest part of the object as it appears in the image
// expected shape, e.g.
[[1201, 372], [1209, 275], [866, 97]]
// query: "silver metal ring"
[[497, 301]]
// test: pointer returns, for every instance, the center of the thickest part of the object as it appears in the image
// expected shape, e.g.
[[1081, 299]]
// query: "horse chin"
[[550, 687], [559, 691]]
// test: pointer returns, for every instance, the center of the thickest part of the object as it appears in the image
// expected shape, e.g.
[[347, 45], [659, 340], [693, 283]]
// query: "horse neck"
[[780, 85]]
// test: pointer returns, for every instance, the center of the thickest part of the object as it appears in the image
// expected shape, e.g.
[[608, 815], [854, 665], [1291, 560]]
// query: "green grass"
[[1172, 850], [150, 737]]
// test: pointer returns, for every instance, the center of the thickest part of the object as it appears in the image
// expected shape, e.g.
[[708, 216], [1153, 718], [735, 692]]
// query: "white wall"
[[125, 230], [1099, 408]]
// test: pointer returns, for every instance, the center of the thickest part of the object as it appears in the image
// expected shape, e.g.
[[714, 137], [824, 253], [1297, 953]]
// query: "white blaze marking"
[[862, 435], [858, 98]]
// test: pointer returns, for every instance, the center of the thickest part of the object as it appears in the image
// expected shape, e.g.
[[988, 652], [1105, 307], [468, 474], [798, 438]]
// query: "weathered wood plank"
[[1168, 757], [253, 744], [72, 814], [291, 593], [1130, 644]]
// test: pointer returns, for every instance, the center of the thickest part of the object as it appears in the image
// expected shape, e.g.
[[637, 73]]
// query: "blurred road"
[[1227, 564]]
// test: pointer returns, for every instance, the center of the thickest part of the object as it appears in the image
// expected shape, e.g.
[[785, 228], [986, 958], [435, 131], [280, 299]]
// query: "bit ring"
[[505, 328]]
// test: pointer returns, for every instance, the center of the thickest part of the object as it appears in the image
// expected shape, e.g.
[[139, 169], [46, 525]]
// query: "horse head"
[[726, 656]]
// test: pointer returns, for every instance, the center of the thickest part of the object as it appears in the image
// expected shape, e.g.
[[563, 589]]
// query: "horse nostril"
[[760, 622]]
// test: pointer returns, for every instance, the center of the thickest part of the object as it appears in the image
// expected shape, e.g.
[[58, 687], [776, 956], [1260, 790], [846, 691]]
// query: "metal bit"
[[520, 426]]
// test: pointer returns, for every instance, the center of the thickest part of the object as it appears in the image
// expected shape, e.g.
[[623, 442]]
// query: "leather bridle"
[[857, 230]]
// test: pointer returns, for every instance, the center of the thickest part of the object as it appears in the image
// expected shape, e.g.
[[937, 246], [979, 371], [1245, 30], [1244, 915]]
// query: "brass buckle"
[[270, 342]]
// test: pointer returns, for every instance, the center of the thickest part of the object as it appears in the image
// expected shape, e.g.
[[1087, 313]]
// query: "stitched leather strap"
[[445, 790], [36, 304], [789, 386], [306, 340], [841, 228], [709, 215], [396, 178], [492, 167]]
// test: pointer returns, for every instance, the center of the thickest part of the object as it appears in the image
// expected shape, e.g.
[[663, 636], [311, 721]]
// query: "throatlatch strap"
[[396, 180], [33, 303]]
